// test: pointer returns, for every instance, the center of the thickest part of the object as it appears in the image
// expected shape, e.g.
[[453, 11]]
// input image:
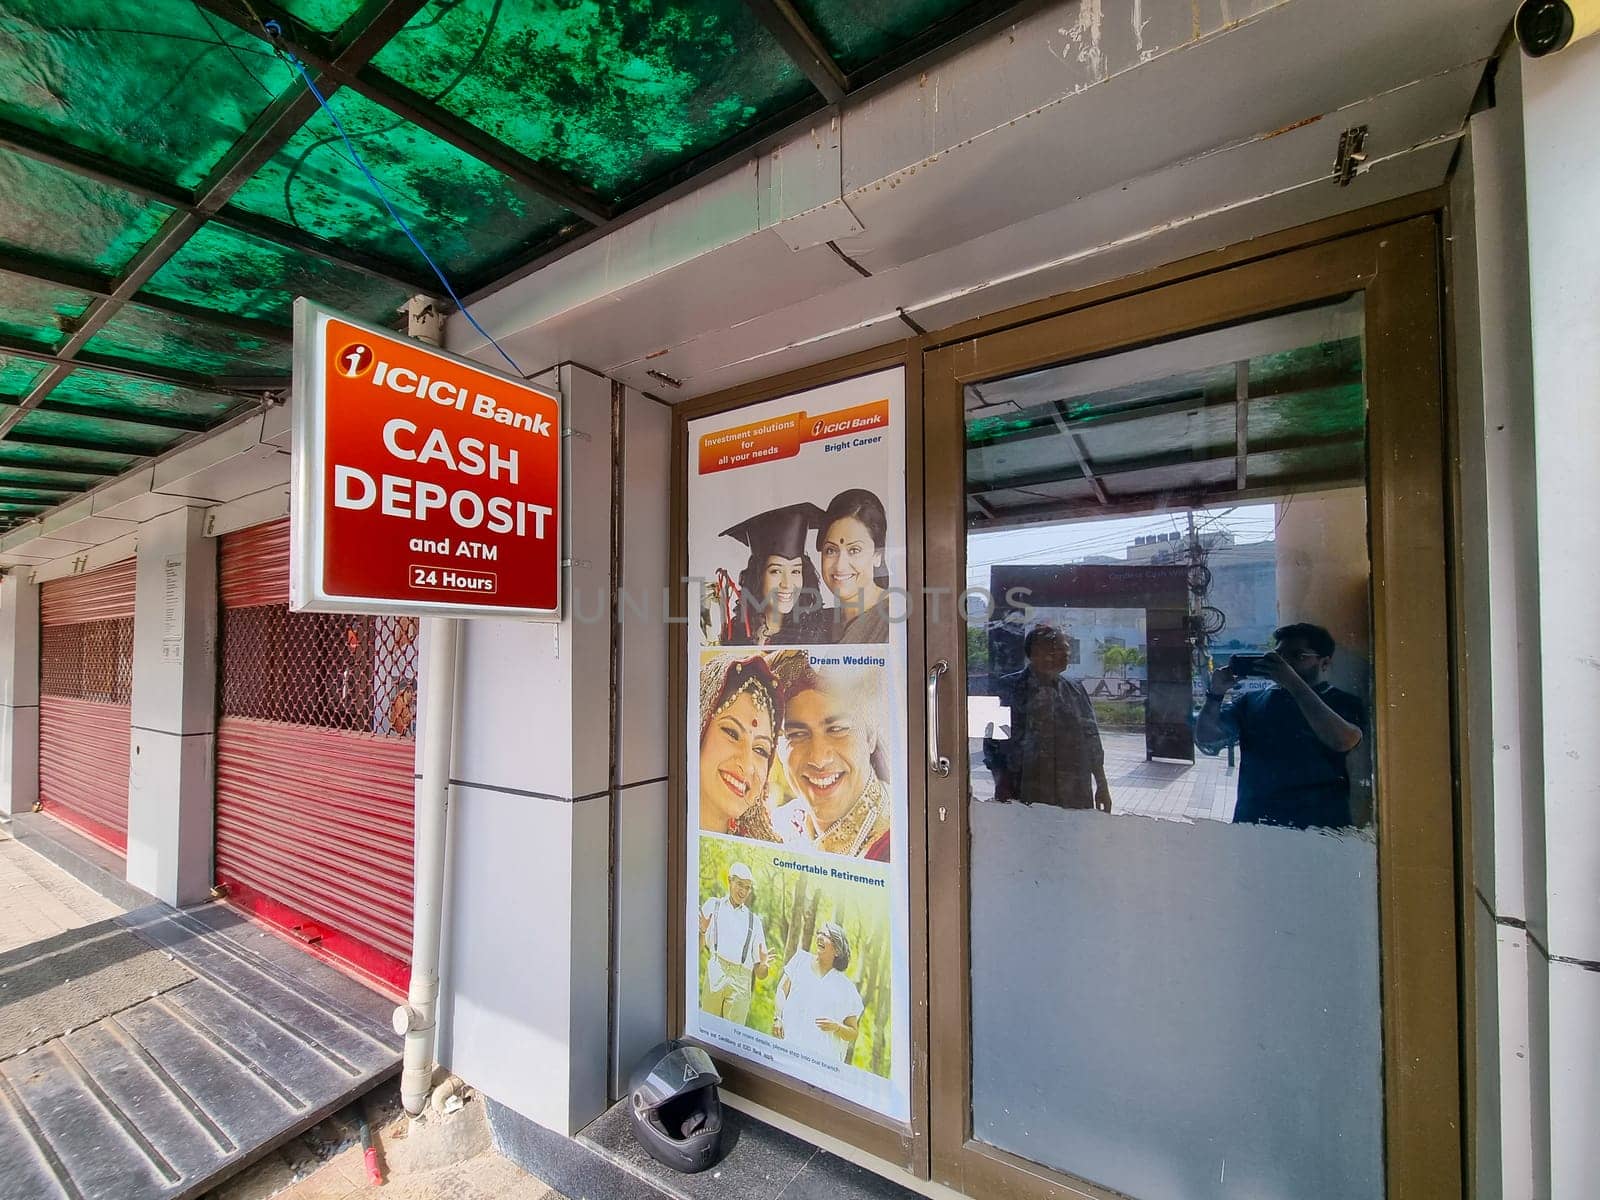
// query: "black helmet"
[[673, 1104]]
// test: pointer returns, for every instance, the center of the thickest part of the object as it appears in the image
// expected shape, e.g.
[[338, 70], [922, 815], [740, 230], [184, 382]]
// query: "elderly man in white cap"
[[732, 932]]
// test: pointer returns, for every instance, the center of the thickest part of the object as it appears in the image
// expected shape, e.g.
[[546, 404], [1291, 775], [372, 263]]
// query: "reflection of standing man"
[[1293, 736], [732, 932], [818, 1008], [1054, 752]]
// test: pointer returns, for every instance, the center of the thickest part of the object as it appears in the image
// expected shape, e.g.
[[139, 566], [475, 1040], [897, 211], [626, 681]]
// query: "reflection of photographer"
[[1293, 736]]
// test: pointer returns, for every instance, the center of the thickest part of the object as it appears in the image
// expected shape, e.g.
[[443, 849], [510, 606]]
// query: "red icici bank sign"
[[423, 483]]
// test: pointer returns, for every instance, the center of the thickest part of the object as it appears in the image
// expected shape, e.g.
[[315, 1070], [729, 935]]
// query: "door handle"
[[937, 763]]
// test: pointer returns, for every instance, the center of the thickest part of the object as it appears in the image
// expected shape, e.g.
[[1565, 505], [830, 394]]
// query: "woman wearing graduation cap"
[[779, 586]]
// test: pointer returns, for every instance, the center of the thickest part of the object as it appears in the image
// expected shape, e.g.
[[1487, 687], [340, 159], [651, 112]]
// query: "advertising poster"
[[797, 764]]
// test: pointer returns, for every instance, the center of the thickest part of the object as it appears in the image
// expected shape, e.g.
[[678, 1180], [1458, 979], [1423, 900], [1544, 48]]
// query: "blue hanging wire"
[[276, 30]]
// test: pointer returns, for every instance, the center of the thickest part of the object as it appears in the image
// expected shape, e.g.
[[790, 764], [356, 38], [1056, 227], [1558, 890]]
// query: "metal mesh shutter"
[[85, 700], [315, 746]]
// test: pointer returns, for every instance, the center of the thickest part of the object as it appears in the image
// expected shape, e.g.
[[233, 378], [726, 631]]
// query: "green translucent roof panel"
[[856, 32], [325, 16], [39, 499], [102, 462], [159, 339], [466, 213], [1324, 413], [612, 92], [97, 432], [157, 85], [121, 396], [22, 509], [17, 375], [47, 481], [34, 311], [226, 270], [62, 217]]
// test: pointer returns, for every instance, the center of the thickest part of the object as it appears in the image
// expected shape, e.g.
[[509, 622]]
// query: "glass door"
[[1192, 808]]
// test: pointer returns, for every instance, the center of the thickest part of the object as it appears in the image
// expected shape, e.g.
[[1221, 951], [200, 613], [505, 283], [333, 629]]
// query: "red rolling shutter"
[[315, 764], [85, 700]]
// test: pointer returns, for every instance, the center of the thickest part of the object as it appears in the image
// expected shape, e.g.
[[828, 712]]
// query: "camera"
[[1545, 26], [1246, 666]]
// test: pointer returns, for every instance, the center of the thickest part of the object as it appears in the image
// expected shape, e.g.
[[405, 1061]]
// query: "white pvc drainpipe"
[[417, 1019]]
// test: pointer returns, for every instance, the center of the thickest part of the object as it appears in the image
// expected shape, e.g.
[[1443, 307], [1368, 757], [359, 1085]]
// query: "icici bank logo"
[[355, 360]]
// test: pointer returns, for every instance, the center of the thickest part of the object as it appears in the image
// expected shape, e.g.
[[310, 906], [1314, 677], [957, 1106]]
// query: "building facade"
[[1121, 341]]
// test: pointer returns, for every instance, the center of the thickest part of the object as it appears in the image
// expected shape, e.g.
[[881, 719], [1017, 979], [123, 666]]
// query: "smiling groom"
[[831, 735]]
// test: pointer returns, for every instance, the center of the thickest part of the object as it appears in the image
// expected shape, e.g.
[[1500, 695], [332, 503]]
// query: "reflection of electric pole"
[[1204, 616], [1197, 593]]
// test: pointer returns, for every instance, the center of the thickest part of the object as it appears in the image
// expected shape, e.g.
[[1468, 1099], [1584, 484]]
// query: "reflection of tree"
[[977, 650], [875, 991], [792, 905], [1120, 658]]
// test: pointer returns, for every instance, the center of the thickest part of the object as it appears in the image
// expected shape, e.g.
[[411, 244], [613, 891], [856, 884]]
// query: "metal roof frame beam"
[[377, 22], [1079, 451], [102, 170], [101, 286], [321, 57], [939, 41], [244, 387], [683, 179], [1208, 456], [50, 442], [804, 48], [74, 486], [170, 421]]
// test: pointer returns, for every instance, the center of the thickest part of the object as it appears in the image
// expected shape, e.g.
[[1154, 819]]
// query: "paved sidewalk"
[[443, 1157], [1204, 790], [437, 1158], [39, 900]]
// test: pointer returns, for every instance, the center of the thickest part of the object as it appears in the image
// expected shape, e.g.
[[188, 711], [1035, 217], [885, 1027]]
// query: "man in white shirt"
[[817, 1008], [732, 932]]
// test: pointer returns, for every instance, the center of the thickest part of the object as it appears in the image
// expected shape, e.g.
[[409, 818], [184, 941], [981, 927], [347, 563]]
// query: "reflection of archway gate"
[[85, 700], [314, 807], [1162, 591]]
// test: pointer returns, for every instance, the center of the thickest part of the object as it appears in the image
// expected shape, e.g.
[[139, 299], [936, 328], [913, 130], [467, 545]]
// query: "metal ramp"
[[166, 1095]]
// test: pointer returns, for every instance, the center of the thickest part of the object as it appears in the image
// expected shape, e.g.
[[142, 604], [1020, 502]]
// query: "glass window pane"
[[314, 185], [158, 85], [1170, 724], [613, 94]]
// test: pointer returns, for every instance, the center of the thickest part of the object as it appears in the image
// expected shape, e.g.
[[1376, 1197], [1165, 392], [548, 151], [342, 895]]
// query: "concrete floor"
[[1203, 790], [437, 1158], [39, 900], [442, 1156]]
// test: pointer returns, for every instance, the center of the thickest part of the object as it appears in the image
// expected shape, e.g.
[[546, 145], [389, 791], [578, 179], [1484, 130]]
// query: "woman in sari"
[[851, 544], [739, 715]]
